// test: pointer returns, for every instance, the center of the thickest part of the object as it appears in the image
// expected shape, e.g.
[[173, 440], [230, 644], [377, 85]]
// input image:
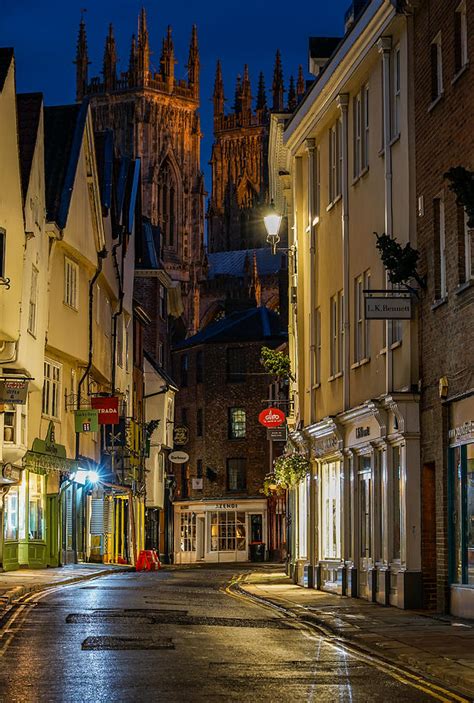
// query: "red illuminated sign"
[[271, 417], [108, 410]]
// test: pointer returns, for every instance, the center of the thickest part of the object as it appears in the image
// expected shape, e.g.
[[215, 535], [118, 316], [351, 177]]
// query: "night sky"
[[44, 36]]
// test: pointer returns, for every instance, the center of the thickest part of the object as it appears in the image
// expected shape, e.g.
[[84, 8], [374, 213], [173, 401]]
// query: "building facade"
[[219, 507], [349, 173], [444, 88]]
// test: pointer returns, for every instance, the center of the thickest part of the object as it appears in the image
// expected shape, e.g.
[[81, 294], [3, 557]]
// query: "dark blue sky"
[[44, 35]]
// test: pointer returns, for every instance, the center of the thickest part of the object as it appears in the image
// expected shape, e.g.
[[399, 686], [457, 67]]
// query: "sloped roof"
[[29, 113], [63, 131], [323, 47], [253, 325], [232, 263], [160, 370], [6, 57]]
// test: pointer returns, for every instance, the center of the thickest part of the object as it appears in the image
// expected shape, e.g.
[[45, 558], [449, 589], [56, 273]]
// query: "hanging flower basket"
[[291, 469]]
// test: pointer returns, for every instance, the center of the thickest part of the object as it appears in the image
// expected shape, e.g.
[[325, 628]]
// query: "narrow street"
[[175, 635]]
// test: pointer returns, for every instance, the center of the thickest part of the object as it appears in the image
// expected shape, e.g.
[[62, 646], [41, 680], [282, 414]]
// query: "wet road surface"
[[175, 635]]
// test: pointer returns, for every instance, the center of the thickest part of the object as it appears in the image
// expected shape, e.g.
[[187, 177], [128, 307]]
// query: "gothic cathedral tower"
[[154, 116]]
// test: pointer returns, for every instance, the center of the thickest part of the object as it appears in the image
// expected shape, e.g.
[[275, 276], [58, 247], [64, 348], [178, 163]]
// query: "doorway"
[[365, 527]]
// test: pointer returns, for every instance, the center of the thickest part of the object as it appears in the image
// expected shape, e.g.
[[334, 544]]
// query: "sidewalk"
[[438, 647], [14, 584]]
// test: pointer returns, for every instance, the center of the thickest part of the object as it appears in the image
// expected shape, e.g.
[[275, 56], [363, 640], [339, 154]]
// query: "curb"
[[17, 592], [408, 662]]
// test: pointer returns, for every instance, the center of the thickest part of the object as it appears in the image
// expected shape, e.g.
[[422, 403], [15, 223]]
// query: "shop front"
[[218, 531], [461, 508]]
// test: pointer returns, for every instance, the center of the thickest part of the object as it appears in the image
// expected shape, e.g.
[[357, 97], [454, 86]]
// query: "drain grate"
[[107, 642]]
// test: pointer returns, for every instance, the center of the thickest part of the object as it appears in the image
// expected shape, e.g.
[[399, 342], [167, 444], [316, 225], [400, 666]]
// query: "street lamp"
[[272, 222]]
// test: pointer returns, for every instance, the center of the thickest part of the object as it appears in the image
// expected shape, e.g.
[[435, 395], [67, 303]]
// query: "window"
[[396, 80], [337, 333], [162, 302], [184, 365], [361, 325], [461, 478], [52, 377], [460, 37], [439, 248], [15, 425], [436, 68], [199, 422], [236, 474], [335, 158], [3, 236], [331, 510], [160, 358], [361, 131], [236, 366], [396, 512], [71, 275], [316, 352], [237, 423], [465, 246], [36, 506], [188, 531], [227, 531], [199, 367], [33, 301], [199, 468], [11, 504]]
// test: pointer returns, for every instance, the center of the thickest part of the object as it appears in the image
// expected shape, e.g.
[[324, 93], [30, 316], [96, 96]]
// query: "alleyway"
[[176, 635]]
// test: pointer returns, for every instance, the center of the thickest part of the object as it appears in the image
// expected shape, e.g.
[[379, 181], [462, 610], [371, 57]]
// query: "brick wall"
[[444, 138]]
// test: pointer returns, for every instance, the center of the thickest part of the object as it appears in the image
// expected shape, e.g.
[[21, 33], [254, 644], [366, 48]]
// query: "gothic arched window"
[[168, 204]]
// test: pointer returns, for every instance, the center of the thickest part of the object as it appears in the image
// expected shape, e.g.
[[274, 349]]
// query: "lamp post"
[[272, 222]]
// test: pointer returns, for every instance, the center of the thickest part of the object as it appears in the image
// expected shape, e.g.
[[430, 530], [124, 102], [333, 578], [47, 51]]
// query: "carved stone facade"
[[239, 161], [155, 117]]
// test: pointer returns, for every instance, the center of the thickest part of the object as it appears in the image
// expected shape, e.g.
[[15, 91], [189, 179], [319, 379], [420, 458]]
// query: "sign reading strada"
[[272, 417]]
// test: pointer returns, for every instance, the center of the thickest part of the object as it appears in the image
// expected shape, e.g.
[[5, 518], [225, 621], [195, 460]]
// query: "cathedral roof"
[[252, 325], [29, 113], [235, 263]]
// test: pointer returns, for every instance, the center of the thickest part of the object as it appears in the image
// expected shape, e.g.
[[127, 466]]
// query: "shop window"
[[236, 365], [237, 423], [331, 510], [36, 507], [462, 514], [11, 514], [460, 37], [236, 474], [227, 531], [396, 507], [188, 532], [71, 279], [52, 377]]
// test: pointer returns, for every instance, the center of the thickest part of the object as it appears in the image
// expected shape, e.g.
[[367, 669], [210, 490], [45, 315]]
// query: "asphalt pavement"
[[180, 634]]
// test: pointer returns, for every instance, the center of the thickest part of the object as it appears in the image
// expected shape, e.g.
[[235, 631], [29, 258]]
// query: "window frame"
[[52, 400], [461, 57], [395, 93], [437, 85], [236, 426], [242, 468], [71, 283]]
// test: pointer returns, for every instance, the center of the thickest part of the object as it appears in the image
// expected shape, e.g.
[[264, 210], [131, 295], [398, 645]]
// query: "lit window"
[[460, 37], [331, 510], [436, 68], [237, 423], [52, 377], [36, 503], [71, 276], [227, 531], [188, 531], [32, 309]]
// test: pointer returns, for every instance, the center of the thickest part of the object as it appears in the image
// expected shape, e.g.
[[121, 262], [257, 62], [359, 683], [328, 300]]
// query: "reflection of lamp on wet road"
[[272, 222]]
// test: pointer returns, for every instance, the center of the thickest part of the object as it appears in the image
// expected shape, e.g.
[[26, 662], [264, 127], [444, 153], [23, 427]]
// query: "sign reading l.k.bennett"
[[387, 308]]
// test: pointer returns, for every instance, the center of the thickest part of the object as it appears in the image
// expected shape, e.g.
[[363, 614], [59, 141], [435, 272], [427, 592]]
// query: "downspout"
[[384, 45], [116, 315], [343, 105]]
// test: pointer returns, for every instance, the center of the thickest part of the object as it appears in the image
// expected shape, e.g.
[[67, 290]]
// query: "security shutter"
[[97, 516]]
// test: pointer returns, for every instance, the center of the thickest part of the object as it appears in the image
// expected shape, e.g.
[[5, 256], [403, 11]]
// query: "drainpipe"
[[384, 45], [100, 258], [119, 275], [343, 105]]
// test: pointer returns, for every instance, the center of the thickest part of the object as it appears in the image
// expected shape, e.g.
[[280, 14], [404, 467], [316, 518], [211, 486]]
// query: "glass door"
[[365, 524]]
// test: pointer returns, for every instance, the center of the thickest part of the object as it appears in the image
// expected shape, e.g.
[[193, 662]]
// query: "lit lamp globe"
[[272, 224]]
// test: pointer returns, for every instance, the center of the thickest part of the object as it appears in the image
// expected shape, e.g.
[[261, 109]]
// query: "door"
[[200, 538], [365, 527]]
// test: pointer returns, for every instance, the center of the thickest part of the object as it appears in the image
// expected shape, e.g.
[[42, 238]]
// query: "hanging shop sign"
[[197, 484], [278, 434], [180, 435], [387, 308], [272, 417], [178, 457], [46, 455], [108, 409], [86, 420], [13, 391], [11, 473]]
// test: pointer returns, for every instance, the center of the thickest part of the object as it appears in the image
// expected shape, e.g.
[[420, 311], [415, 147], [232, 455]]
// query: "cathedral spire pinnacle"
[[218, 95], [193, 62], [82, 61], [291, 94], [238, 94], [261, 95], [132, 63], [300, 83], [110, 62], [143, 46], [245, 93], [278, 87], [168, 60]]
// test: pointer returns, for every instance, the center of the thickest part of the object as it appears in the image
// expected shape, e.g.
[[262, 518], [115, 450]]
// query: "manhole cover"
[[107, 642]]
